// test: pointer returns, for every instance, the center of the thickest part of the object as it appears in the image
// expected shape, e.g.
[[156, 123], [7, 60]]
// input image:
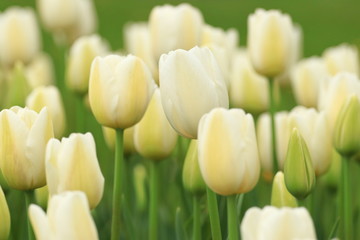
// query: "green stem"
[[28, 200], [233, 222], [272, 117], [153, 218], [80, 114], [214, 214], [346, 214], [118, 185], [196, 217]]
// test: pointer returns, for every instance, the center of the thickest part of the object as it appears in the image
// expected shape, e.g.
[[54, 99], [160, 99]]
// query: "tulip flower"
[[119, 90], [4, 216], [269, 41], [24, 135], [273, 223], [68, 217], [72, 164], [228, 153], [342, 58], [40, 71], [306, 79], [280, 196], [20, 24], [191, 84], [49, 97], [82, 53], [174, 27]]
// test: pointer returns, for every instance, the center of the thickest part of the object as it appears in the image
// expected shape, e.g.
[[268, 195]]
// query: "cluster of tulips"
[[185, 90]]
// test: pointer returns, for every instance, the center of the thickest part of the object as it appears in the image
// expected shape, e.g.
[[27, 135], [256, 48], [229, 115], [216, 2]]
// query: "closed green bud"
[[192, 178], [280, 196], [347, 128], [42, 196], [298, 169], [4, 217]]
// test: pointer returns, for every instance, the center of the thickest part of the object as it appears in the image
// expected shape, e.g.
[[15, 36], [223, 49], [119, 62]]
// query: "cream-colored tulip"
[[306, 78], [82, 53], [223, 61], [228, 153], [138, 42], [153, 136], [269, 41], [120, 89], [68, 217], [86, 19], [24, 135], [248, 89], [342, 58], [19, 35], [72, 164], [49, 97], [273, 223], [334, 93], [4, 216], [40, 71], [191, 84], [174, 27]]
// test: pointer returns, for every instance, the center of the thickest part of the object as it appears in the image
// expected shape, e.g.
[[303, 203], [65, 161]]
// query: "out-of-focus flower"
[[154, 137], [120, 89], [191, 84], [248, 89], [19, 35], [4, 216], [174, 27], [82, 53], [342, 58], [191, 175], [49, 97], [280, 196], [24, 135], [68, 217], [269, 41], [306, 78], [72, 164], [42, 196], [228, 153], [273, 223], [298, 169], [223, 61], [40, 71], [346, 136], [139, 178], [332, 177]]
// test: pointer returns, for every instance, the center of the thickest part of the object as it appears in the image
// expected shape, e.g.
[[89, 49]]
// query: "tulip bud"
[[68, 217], [154, 137], [82, 53], [269, 41], [347, 128], [228, 153], [306, 78], [4, 216], [40, 71], [298, 170], [24, 134], [72, 164], [248, 89], [174, 27], [280, 196], [191, 175], [120, 89], [49, 97], [42, 196], [19, 35], [273, 223], [342, 58], [191, 84]]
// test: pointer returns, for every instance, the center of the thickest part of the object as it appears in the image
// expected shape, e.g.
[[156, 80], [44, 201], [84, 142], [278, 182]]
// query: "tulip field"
[[179, 120]]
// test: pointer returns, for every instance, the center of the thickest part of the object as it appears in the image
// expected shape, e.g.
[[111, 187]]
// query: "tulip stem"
[[196, 219], [346, 216], [153, 211], [118, 185], [28, 200], [272, 117], [214, 214], [233, 223]]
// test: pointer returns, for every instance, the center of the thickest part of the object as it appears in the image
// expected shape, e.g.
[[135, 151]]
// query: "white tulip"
[[342, 58], [40, 71]]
